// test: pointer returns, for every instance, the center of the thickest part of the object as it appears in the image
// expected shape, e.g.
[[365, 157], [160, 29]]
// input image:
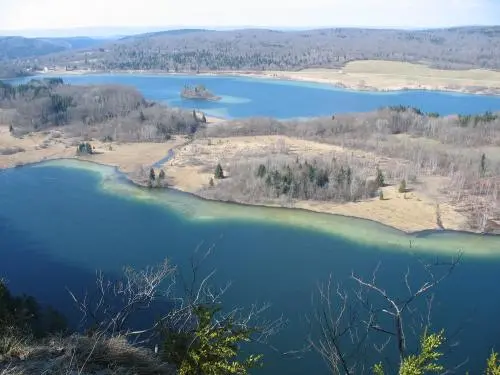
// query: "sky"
[[16, 15]]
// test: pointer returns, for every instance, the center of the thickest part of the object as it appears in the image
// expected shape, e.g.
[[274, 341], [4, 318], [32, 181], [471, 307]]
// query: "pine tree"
[[212, 348], [380, 178], [261, 171], [219, 172]]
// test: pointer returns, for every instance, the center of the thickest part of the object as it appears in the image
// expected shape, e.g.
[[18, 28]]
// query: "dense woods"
[[109, 112], [464, 149], [259, 49]]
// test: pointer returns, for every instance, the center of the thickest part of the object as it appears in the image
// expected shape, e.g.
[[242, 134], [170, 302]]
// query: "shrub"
[[402, 186], [84, 148], [212, 348]]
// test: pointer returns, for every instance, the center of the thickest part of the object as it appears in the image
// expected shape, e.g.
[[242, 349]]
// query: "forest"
[[110, 112], [262, 49]]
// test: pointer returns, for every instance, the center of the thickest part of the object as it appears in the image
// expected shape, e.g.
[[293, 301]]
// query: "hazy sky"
[[53, 14]]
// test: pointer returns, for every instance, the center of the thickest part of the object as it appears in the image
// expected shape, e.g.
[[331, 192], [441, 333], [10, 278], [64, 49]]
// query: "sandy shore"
[[35, 147], [368, 75], [193, 164]]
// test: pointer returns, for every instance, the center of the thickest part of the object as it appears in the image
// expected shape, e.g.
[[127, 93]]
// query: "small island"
[[198, 92]]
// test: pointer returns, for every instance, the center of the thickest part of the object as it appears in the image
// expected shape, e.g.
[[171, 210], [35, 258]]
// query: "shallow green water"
[[59, 221]]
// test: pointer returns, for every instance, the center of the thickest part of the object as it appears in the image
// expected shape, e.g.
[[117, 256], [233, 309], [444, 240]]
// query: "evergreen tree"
[[380, 178], [219, 172], [161, 175], [425, 362], [212, 348], [261, 171], [152, 175], [88, 148]]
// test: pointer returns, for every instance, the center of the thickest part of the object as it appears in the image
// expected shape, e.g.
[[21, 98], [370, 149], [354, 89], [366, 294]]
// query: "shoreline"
[[137, 184], [185, 175], [355, 76]]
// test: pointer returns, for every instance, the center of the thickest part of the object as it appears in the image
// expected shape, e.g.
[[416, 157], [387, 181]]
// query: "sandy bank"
[[35, 147], [366, 75], [193, 166]]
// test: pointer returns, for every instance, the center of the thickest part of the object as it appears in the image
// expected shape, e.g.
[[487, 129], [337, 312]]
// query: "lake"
[[245, 97], [62, 220]]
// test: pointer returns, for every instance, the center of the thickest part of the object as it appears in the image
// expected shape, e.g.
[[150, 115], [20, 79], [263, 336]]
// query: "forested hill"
[[110, 112], [255, 49], [17, 47]]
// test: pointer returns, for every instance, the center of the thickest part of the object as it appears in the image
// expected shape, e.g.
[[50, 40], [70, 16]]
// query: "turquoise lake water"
[[244, 97], [59, 223]]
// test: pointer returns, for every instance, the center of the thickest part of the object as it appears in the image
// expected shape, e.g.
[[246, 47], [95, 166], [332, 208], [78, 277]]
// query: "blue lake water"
[[244, 97], [59, 222]]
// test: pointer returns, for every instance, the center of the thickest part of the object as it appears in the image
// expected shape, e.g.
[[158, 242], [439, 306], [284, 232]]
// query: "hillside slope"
[[17, 47], [259, 49]]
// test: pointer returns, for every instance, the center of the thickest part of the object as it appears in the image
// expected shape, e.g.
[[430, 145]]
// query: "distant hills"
[[17, 47], [200, 49]]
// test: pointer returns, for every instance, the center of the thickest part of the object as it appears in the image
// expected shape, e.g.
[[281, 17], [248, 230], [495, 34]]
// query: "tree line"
[[253, 49], [458, 147], [109, 112]]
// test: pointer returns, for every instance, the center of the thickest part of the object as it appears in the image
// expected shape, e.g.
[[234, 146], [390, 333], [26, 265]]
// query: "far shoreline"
[[377, 81]]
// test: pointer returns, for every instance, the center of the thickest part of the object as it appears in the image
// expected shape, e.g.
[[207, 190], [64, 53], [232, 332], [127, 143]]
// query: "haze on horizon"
[[18, 17]]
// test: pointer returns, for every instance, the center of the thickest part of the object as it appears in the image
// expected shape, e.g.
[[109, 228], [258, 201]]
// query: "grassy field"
[[391, 75]]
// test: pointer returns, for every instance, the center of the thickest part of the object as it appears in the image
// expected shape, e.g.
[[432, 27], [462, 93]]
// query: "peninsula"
[[408, 172]]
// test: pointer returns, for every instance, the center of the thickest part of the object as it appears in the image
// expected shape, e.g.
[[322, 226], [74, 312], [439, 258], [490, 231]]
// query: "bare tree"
[[110, 308], [110, 311], [350, 326]]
